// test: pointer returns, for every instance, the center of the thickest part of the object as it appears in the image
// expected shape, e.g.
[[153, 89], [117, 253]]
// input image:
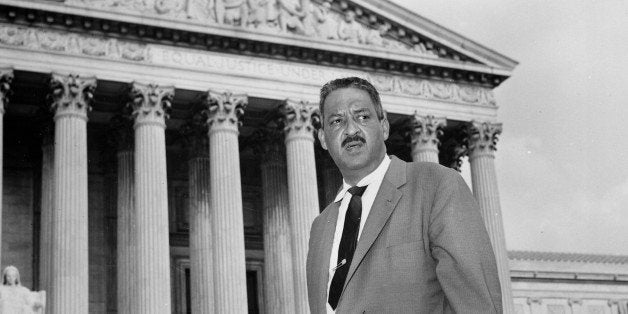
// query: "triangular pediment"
[[364, 26]]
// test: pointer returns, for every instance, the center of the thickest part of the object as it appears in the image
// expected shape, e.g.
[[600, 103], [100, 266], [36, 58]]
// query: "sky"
[[562, 159]]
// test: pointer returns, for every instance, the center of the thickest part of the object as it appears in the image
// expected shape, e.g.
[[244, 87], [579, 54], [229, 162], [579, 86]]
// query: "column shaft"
[[125, 228], [69, 286], [278, 270], [69, 233], [299, 120], [303, 209], [228, 222], [45, 231], [425, 155], [201, 237], [484, 181], [152, 256], [224, 111], [152, 261]]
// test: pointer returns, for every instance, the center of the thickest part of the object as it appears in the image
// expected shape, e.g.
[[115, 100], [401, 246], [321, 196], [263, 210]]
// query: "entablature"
[[375, 41], [42, 50]]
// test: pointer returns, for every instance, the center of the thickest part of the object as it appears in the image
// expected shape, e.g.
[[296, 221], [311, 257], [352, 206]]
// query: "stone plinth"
[[299, 120], [482, 142], [424, 134], [152, 257], [224, 111], [71, 97]]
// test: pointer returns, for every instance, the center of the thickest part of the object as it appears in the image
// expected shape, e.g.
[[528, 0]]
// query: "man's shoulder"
[[422, 171]]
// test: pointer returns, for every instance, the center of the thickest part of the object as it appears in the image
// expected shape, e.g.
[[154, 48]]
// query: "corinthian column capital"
[[300, 119], [224, 110], [483, 138], [150, 103], [71, 95], [6, 78], [425, 132]]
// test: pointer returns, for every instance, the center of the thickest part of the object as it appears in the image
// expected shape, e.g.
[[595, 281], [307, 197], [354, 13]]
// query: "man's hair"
[[355, 82]]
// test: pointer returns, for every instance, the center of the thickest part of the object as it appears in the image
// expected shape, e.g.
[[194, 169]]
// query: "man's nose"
[[352, 127]]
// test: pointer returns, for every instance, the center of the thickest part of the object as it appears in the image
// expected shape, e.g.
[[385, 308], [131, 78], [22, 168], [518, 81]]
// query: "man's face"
[[352, 133]]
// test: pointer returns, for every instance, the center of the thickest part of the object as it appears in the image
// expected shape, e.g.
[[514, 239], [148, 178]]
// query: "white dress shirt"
[[373, 180]]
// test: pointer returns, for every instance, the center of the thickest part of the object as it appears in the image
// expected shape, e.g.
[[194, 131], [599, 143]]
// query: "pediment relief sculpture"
[[320, 19]]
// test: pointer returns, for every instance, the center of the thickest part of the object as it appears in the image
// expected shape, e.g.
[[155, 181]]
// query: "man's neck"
[[353, 177]]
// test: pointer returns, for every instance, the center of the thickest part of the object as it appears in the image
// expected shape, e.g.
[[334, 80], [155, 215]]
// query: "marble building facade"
[[159, 156]]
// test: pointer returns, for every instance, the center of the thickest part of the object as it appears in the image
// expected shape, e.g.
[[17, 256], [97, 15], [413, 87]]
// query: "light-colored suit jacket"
[[424, 249]]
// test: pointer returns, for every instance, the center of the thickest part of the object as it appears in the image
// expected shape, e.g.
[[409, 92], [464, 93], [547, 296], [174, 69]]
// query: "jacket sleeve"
[[466, 267]]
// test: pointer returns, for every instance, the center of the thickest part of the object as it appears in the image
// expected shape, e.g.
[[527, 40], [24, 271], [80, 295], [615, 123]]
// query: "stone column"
[[152, 258], [424, 135], [6, 77], [299, 120], [224, 112], [47, 187], [278, 276], [71, 96], [126, 242], [201, 237], [482, 142]]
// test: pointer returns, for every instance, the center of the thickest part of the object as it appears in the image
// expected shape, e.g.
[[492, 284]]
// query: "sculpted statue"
[[326, 26], [375, 36], [349, 29], [263, 14], [16, 299], [291, 14], [231, 12]]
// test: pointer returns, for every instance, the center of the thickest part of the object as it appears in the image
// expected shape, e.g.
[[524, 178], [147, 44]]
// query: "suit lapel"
[[325, 250], [385, 201]]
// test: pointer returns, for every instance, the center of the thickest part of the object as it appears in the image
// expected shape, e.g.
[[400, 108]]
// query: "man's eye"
[[334, 122], [363, 117]]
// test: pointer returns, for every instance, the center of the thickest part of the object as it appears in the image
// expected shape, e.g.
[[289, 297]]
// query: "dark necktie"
[[348, 242]]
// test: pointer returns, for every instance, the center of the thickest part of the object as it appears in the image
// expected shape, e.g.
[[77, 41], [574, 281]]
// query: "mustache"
[[353, 138]]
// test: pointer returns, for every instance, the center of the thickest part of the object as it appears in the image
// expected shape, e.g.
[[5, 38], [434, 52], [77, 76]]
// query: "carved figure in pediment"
[[375, 36], [202, 10], [231, 12], [165, 6], [16, 299], [326, 25], [421, 49], [263, 14], [350, 30], [291, 16]]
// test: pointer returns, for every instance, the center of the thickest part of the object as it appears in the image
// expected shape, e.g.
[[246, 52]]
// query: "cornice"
[[439, 33], [221, 38]]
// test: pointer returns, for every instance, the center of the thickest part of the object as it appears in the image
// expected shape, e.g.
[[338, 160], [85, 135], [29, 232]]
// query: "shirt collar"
[[379, 172]]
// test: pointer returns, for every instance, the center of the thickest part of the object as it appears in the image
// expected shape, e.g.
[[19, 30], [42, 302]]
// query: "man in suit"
[[399, 237]]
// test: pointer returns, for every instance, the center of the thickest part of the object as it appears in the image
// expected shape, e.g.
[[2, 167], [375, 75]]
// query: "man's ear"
[[321, 138], [385, 127]]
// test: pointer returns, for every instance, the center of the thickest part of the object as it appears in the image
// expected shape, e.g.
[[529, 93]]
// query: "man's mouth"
[[353, 144]]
